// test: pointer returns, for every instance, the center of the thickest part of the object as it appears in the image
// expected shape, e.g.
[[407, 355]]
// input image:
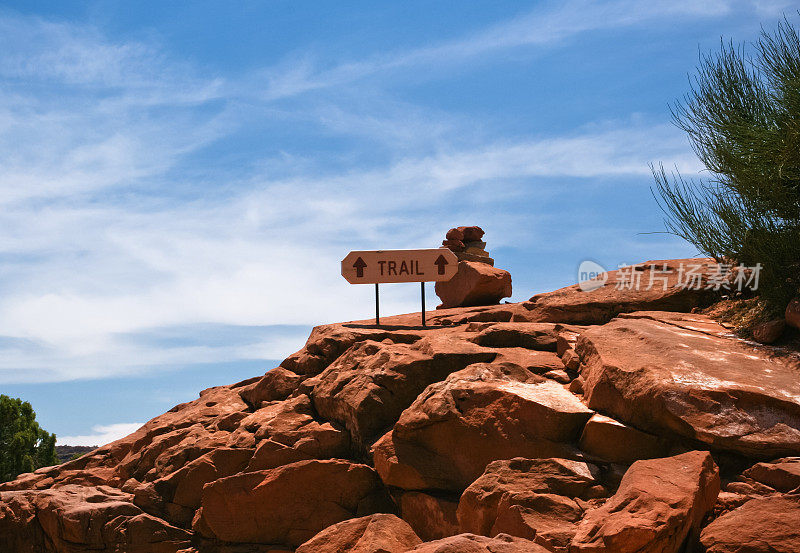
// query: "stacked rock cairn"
[[467, 244]]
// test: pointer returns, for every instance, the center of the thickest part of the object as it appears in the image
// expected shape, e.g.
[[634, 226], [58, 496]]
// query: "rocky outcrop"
[[82, 518], [548, 425], [530, 498], [663, 285], [368, 387], [657, 373], [289, 504], [660, 503], [486, 412]]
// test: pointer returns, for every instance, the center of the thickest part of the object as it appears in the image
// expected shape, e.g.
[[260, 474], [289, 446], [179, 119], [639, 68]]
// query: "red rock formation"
[[380, 533], [658, 374], [474, 284], [269, 463], [659, 503], [530, 498], [289, 504]]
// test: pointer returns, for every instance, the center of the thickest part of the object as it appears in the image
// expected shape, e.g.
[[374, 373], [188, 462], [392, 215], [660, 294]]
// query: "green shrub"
[[24, 446], [742, 116]]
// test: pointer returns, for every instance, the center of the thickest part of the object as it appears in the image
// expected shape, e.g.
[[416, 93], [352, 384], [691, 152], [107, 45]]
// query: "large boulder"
[[660, 503], [368, 387], [475, 283], [485, 412], [470, 543], [530, 498], [380, 533], [663, 285], [72, 519], [663, 374], [767, 525], [287, 505]]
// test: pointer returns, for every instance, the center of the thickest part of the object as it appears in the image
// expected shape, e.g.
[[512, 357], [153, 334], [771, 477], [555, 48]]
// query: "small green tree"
[[24, 446], [742, 116]]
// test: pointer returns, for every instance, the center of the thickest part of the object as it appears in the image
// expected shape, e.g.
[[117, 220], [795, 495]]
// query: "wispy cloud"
[[549, 24], [101, 434], [116, 227]]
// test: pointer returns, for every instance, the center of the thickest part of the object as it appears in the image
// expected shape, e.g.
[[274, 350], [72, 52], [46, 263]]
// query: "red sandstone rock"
[[530, 498], [276, 385], [469, 543], [328, 342], [368, 387], [474, 284], [766, 525], [455, 234], [431, 517], [669, 380], [598, 306], [658, 504], [454, 245], [782, 474], [287, 431], [612, 441], [289, 504], [792, 314], [445, 439], [769, 332], [536, 336], [380, 533], [75, 518], [472, 234]]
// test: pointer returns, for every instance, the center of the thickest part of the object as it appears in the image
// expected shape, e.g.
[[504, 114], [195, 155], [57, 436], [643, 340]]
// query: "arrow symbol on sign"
[[440, 262], [359, 266]]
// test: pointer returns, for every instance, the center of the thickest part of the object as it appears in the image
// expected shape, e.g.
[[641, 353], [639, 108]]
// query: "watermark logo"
[[687, 276], [591, 276]]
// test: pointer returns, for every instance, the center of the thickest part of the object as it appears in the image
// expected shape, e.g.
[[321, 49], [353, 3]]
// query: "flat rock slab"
[[685, 378], [766, 525], [652, 285]]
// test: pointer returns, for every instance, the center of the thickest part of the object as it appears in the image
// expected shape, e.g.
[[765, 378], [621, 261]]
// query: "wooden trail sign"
[[374, 267]]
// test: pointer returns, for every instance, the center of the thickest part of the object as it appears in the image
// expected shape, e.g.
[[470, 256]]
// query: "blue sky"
[[179, 180]]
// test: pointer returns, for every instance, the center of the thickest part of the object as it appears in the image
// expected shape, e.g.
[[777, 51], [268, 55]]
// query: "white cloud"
[[542, 26], [108, 232], [101, 435]]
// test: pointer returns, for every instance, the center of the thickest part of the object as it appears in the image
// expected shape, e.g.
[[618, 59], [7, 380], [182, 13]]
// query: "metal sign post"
[[377, 306], [374, 267]]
